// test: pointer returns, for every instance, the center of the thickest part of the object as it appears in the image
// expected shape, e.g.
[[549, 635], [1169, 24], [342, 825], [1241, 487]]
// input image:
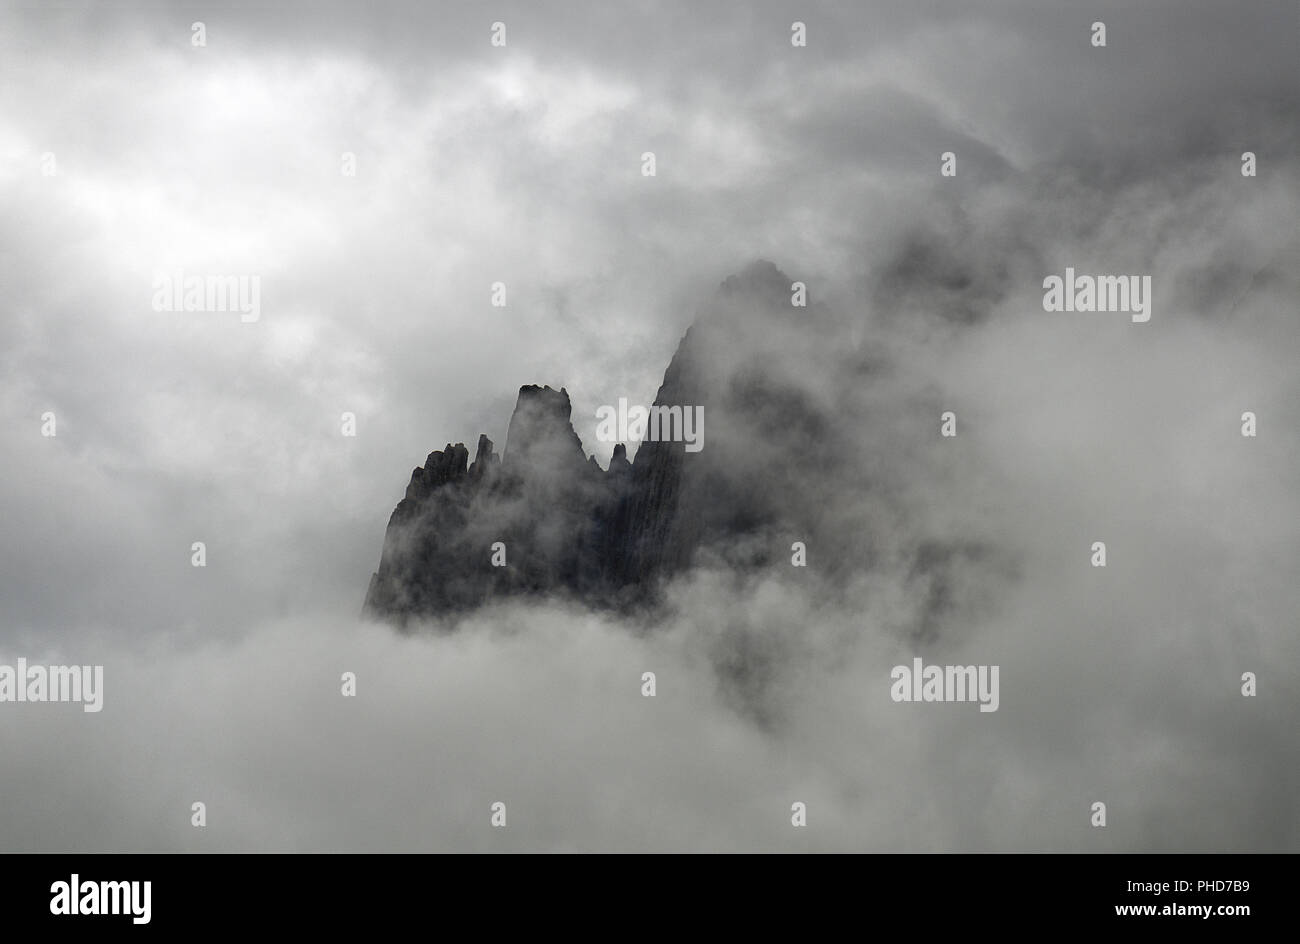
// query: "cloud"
[[522, 165], [1105, 695]]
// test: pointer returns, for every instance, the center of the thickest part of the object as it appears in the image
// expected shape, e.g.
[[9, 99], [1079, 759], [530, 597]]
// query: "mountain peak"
[[607, 537]]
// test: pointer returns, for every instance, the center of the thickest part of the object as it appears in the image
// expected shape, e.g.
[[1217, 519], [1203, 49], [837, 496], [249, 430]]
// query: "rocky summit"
[[794, 433], [545, 518]]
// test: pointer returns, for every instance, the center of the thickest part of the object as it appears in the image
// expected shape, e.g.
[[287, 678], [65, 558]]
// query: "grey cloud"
[[221, 684]]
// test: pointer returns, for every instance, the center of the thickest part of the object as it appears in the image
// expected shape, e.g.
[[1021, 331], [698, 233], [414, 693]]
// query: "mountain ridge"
[[544, 517]]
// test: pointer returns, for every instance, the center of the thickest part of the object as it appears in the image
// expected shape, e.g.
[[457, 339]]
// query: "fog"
[[475, 164]]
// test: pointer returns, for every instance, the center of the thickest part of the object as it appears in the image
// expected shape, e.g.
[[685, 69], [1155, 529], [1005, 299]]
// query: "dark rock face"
[[810, 446], [784, 458], [606, 537], [543, 519]]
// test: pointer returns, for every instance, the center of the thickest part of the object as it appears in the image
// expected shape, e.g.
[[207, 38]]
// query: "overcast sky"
[[522, 164]]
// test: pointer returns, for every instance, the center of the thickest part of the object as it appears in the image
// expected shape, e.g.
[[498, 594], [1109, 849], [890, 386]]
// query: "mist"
[[223, 684]]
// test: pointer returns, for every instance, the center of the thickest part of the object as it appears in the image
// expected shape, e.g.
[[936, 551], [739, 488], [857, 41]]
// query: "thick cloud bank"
[[477, 164]]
